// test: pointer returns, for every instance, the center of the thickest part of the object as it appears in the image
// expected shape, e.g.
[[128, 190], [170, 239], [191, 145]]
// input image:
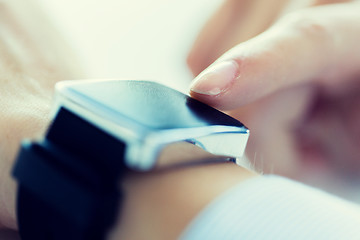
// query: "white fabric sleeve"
[[272, 207]]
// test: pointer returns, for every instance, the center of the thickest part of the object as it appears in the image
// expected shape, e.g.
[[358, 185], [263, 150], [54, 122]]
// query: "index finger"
[[317, 45]]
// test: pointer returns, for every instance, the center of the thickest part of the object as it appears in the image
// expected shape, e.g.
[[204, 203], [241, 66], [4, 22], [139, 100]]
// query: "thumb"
[[318, 45]]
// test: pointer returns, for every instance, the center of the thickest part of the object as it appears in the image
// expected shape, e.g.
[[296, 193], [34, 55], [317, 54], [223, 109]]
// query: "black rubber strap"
[[68, 182]]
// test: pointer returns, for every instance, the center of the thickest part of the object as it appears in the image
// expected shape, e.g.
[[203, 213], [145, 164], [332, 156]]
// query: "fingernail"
[[216, 79]]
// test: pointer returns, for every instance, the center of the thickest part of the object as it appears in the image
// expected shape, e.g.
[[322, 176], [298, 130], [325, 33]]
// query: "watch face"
[[148, 116], [147, 103]]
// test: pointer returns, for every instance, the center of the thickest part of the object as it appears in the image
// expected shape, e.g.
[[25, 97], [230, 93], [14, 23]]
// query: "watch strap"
[[68, 182]]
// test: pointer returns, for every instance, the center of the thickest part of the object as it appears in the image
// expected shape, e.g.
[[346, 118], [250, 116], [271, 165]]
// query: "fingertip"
[[214, 86], [222, 102], [209, 100]]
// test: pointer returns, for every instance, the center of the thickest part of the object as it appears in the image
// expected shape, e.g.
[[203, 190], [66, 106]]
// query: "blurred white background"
[[132, 39]]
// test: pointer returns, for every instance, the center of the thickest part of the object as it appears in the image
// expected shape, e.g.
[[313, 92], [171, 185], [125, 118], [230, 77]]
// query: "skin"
[[237, 21], [266, 77], [33, 59], [297, 82], [38, 58], [172, 198]]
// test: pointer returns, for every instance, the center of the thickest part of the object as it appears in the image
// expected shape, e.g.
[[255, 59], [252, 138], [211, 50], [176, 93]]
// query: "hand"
[[32, 59], [237, 21], [299, 75]]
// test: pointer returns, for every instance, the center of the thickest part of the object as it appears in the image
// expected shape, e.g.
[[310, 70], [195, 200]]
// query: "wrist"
[[172, 198], [7, 201], [21, 122]]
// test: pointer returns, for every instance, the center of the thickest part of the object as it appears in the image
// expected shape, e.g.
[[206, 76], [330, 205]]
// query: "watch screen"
[[147, 103]]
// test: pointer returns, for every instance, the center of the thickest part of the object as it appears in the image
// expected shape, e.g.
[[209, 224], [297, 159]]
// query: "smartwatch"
[[68, 181]]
